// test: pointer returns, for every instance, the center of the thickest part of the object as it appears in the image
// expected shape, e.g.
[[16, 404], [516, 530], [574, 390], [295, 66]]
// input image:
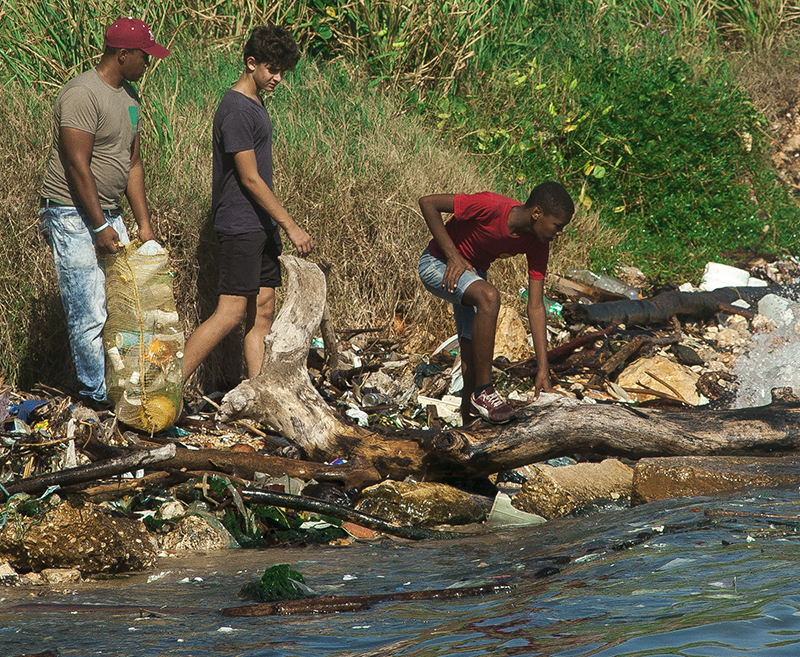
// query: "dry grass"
[[31, 320], [350, 167]]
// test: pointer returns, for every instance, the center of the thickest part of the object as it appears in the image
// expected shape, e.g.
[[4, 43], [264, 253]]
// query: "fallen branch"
[[338, 604], [355, 474], [297, 503], [660, 308], [81, 474]]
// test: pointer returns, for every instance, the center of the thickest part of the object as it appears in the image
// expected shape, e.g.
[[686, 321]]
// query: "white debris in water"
[[676, 563], [347, 578], [773, 361]]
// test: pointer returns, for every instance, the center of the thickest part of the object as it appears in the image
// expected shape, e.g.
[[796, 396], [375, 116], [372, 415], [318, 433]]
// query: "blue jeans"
[[82, 282], [431, 273]]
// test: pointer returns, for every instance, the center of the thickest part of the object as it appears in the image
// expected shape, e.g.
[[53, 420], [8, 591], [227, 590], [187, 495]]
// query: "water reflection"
[[670, 578]]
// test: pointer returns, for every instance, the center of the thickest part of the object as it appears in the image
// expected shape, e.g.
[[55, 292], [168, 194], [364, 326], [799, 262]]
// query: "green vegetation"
[[639, 107], [279, 582]]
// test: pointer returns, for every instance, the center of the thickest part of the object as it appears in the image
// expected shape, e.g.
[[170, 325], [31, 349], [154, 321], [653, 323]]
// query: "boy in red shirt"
[[485, 227]]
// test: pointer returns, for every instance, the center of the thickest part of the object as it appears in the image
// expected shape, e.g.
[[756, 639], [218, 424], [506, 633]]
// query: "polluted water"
[[700, 577]]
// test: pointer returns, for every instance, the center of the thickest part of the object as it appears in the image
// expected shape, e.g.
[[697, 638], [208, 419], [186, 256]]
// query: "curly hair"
[[552, 198], [272, 45]]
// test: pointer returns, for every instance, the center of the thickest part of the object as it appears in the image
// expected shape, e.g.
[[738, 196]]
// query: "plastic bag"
[[143, 338]]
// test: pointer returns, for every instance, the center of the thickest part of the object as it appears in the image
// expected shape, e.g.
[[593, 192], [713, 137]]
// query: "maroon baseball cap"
[[134, 34]]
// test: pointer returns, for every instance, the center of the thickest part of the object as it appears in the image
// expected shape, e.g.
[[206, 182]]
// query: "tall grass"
[[350, 167], [634, 105], [649, 129]]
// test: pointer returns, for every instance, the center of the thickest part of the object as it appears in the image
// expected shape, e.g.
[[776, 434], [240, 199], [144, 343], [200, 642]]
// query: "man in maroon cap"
[[95, 159]]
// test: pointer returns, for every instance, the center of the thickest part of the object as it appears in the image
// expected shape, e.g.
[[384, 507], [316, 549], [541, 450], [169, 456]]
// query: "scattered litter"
[[503, 514]]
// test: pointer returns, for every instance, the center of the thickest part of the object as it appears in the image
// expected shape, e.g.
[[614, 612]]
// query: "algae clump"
[[279, 582]]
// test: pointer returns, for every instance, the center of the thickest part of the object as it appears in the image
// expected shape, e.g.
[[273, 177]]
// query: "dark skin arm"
[[136, 196], [537, 317], [433, 207]]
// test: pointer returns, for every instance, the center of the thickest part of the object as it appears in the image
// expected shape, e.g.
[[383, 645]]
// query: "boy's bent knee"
[[484, 296]]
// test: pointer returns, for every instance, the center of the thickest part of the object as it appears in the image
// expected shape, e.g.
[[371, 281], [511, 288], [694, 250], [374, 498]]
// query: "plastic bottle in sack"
[[602, 282]]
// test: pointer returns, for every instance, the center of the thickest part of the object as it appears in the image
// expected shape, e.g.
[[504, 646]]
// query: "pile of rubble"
[[72, 500]]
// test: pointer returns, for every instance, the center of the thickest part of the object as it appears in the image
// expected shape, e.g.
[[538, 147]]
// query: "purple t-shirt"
[[240, 124]]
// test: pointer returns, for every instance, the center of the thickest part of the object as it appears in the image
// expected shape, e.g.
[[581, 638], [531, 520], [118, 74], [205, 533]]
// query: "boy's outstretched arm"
[[247, 168], [537, 317], [432, 208]]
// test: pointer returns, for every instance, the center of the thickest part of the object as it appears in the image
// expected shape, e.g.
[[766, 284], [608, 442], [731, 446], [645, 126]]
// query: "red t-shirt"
[[479, 229]]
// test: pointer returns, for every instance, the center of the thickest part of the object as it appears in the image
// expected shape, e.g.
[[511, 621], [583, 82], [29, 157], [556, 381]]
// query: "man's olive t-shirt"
[[88, 103], [240, 124]]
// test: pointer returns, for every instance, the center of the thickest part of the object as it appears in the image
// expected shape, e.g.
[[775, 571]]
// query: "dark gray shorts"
[[248, 262]]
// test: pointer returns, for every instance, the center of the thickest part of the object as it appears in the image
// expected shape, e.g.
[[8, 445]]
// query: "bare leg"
[[486, 300], [468, 376], [228, 315], [260, 313]]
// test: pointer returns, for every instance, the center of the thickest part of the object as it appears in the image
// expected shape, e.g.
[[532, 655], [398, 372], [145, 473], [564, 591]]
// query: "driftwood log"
[[283, 397], [114, 466], [662, 307]]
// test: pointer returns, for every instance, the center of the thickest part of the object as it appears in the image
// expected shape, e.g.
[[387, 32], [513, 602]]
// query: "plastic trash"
[[24, 409], [602, 282], [553, 309], [778, 309], [143, 338], [717, 275], [447, 345], [456, 380], [448, 409], [374, 399], [358, 415], [503, 514]]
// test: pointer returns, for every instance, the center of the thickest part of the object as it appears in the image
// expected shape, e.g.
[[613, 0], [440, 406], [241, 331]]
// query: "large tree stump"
[[283, 397]]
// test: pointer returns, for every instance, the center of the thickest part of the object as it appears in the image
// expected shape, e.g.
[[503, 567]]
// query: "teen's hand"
[[106, 241], [456, 266], [302, 242]]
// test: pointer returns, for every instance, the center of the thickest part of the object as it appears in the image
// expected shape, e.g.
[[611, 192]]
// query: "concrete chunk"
[[556, 491], [689, 476]]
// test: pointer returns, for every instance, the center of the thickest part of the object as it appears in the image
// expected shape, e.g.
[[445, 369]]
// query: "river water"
[[702, 577]]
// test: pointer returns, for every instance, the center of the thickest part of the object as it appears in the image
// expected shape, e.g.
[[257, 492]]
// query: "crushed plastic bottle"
[[371, 399], [602, 282], [553, 309]]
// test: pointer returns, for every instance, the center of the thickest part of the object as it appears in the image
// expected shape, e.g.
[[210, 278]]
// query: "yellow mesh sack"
[[143, 338]]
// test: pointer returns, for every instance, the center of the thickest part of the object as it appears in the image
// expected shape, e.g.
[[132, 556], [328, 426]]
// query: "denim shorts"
[[431, 272]]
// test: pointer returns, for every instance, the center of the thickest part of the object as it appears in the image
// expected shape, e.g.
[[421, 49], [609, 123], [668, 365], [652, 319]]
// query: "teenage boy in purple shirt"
[[247, 216], [485, 227]]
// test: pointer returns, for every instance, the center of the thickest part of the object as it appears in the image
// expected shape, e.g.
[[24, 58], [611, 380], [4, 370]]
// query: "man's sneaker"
[[97, 405], [491, 407]]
